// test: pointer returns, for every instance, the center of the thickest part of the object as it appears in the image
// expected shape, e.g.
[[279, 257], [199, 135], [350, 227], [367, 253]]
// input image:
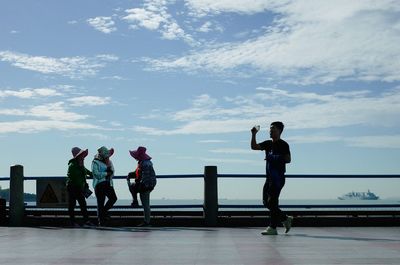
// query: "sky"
[[188, 80]]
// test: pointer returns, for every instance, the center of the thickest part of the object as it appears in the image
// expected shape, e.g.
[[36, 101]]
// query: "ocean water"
[[284, 202]]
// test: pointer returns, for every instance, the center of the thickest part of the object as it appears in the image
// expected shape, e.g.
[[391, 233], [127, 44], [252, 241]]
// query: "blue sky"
[[188, 79]]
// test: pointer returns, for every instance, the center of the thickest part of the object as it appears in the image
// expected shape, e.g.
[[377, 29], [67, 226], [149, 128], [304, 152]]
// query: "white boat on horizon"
[[359, 196]]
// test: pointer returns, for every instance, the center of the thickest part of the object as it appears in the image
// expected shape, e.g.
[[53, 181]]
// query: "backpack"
[[148, 178]]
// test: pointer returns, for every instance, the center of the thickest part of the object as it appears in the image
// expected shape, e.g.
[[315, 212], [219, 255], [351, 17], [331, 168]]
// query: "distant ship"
[[359, 196]]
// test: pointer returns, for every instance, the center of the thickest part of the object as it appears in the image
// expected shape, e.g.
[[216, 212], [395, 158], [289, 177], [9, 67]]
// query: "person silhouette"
[[277, 155]]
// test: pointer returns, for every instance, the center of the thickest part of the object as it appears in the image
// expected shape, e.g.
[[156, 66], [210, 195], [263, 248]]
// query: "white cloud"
[[232, 151], [206, 27], [376, 141], [308, 42], [145, 18], [114, 77], [298, 110], [52, 116], [46, 92], [219, 161], [103, 24], [364, 141], [312, 138], [172, 31], [199, 127], [74, 67], [53, 111], [108, 57], [201, 106], [212, 141], [207, 7], [154, 16], [89, 101], [12, 112], [26, 93], [209, 26], [31, 126], [98, 136]]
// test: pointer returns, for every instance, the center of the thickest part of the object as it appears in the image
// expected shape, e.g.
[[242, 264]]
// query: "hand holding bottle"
[[255, 129]]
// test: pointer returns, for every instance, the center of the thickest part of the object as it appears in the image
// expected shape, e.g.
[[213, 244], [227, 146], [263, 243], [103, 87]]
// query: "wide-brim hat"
[[104, 152], [140, 154], [76, 151]]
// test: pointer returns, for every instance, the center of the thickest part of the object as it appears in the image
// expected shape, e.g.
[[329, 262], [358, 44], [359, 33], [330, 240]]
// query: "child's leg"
[[145, 199], [134, 191]]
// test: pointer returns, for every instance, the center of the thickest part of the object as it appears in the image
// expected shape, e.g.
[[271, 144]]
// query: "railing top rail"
[[183, 176], [311, 176], [187, 176], [160, 206], [307, 206]]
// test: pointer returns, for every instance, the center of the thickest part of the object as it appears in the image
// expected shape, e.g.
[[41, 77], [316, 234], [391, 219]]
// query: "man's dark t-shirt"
[[274, 156]]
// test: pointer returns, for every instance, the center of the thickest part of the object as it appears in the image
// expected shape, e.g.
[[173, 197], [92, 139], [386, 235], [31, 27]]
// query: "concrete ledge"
[[133, 217]]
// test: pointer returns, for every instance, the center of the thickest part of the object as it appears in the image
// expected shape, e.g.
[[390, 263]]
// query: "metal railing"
[[314, 176], [211, 211], [248, 176]]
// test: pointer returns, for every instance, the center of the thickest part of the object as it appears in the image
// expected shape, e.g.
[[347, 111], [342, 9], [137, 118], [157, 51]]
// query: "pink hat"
[[76, 151], [140, 154]]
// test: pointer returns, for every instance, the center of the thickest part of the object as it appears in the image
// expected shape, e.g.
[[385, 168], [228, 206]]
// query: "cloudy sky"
[[188, 79]]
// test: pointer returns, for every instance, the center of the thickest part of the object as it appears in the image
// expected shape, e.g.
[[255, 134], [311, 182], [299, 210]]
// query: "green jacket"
[[77, 174]]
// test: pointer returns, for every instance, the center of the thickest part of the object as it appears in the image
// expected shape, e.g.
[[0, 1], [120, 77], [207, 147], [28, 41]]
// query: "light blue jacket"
[[99, 171]]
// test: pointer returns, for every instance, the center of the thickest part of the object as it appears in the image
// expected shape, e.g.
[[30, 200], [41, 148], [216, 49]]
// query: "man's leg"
[[272, 205], [266, 201], [285, 219], [271, 201]]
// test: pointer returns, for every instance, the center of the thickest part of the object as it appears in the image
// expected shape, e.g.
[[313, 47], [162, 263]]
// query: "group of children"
[[102, 173]]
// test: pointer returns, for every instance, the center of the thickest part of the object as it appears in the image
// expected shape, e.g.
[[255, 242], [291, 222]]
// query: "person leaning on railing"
[[145, 181]]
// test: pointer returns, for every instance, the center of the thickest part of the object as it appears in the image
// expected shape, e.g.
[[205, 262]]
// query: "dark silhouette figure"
[[277, 155], [103, 172], [76, 185]]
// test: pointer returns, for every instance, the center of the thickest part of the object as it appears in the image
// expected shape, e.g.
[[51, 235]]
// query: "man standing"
[[277, 155]]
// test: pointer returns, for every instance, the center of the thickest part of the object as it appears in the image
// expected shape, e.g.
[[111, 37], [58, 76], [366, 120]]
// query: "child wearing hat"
[[103, 172], [145, 181], [76, 184]]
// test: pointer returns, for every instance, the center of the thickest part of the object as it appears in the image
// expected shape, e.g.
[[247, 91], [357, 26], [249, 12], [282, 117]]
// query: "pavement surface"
[[191, 245]]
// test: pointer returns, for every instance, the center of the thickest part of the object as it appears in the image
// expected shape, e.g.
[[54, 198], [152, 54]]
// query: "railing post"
[[210, 206], [16, 195], [2, 211]]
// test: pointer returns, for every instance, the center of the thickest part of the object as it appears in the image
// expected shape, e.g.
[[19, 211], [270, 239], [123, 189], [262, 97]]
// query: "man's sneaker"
[[135, 204], [288, 223], [144, 224], [269, 231]]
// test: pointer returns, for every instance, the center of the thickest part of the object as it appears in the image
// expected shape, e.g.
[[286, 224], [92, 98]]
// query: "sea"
[[254, 204]]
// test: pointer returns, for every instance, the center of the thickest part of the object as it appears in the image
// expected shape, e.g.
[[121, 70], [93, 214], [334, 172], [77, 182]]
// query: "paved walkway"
[[155, 245]]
